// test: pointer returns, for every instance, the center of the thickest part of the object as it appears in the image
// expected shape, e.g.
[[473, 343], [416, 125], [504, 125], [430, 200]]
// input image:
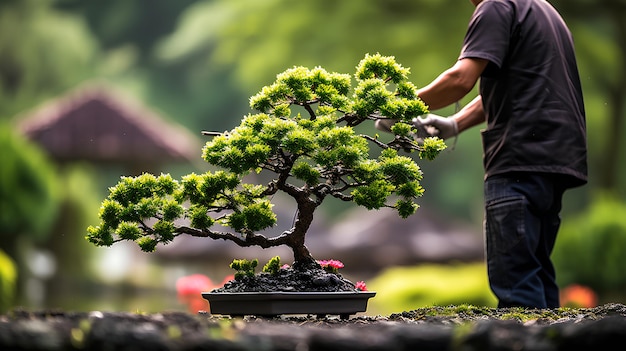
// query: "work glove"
[[434, 125]]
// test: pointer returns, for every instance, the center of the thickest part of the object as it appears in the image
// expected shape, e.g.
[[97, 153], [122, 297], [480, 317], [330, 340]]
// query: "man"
[[534, 142]]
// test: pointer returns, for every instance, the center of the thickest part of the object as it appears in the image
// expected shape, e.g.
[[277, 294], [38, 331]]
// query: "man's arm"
[[449, 87], [470, 115], [453, 84], [447, 127]]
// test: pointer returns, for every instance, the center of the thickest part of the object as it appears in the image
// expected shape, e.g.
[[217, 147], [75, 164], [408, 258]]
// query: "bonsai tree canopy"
[[304, 135]]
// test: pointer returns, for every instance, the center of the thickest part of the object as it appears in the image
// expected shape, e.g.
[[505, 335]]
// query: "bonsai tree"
[[303, 134]]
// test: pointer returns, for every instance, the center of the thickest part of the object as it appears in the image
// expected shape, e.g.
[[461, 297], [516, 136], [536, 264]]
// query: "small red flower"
[[192, 284], [331, 265], [578, 296], [360, 285], [189, 290]]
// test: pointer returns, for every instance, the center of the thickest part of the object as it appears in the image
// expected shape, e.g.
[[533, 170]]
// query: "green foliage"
[[392, 173], [128, 231], [146, 244], [272, 266], [402, 128], [79, 208], [7, 281], [406, 208], [29, 189], [117, 23], [199, 216], [349, 29], [304, 135], [306, 172], [590, 247], [244, 268], [33, 66], [132, 203], [256, 216], [432, 148], [372, 195], [378, 66], [407, 288]]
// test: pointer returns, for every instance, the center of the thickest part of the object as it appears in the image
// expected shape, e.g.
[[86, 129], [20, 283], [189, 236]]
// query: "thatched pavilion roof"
[[98, 124]]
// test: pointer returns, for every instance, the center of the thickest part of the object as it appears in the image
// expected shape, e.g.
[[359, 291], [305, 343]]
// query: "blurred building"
[[97, 124]]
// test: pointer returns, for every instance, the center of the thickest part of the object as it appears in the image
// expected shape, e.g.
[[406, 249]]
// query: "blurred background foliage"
[[402, 288], [198, 62], [591, 248]]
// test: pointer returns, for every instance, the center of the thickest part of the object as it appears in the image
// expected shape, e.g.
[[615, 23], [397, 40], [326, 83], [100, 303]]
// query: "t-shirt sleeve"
[[489, 31]]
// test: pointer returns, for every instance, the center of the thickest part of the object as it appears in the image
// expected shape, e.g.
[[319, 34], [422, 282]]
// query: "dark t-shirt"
[[530, 89]]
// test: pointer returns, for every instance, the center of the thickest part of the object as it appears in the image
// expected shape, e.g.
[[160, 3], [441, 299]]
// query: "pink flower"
[[190, 288], [360, 285], [193, 284], [333, 265]]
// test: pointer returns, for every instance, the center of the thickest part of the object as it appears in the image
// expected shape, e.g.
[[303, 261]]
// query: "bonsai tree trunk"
[[301, 254], [306, 207]]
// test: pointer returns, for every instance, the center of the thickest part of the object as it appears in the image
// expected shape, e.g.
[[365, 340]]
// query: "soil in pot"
[[289, 279]]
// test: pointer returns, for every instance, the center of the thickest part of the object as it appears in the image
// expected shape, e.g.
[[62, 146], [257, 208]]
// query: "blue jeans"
[[521, 223]]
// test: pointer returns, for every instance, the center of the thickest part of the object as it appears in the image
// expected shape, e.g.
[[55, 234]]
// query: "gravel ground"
[[436, 328]]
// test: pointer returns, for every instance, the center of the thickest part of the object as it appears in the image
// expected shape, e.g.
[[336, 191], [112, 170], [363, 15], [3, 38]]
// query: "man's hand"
[[434, 125]]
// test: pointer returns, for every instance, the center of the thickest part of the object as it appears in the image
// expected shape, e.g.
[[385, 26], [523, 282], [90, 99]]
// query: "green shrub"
[[272, 266], [407, 288], [7, 282], [244, 268], [29, 190], [590, 248]]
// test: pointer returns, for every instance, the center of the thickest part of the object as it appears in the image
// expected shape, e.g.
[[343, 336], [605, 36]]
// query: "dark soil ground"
[[436, 328]]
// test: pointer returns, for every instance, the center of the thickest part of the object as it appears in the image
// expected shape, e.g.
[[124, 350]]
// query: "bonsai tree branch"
[[252, 240]]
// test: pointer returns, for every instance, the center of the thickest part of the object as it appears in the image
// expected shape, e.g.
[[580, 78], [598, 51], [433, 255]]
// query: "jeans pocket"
[[504, 223]]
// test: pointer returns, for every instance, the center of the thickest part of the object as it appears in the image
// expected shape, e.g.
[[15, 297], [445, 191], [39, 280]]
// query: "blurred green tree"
[[44, 53], [73, 255], [590, 249], [29, 191], [223, 50], [600, 34], [116, 23], [29, 197]]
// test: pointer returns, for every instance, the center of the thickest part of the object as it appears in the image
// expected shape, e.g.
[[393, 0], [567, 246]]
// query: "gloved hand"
[[434, 125]]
